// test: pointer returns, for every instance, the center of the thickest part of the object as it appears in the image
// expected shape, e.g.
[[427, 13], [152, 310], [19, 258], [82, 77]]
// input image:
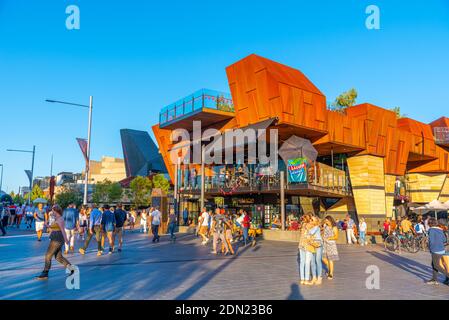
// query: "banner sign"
[[83, 145], [28, 173], [297, 170]]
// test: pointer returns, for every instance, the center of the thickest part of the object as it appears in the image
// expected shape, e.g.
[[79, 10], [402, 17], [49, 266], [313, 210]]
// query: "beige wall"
[[109, 168], [425, 187], [444, 195], [368, 184]]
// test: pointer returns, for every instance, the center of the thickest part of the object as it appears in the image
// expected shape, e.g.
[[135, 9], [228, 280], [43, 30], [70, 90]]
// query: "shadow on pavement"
[[416, 268]]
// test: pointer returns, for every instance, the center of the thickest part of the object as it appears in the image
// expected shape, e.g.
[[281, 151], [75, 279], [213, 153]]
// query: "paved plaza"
[[187, 270]]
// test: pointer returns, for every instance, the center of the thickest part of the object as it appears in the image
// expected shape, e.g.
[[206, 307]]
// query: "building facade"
[[369, 163]]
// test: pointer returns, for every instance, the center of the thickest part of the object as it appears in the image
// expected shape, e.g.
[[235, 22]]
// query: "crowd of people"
[[223, 228]]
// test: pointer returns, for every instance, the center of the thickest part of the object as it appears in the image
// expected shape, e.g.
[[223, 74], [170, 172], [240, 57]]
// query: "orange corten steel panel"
[[422, 141], [263, 89], [443, 122]]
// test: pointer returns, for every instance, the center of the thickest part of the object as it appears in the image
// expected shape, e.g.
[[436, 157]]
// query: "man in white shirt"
[[204, 226], [155, 217]]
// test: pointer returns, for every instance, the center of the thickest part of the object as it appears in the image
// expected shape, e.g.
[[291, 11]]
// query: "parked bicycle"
[[396, 241]]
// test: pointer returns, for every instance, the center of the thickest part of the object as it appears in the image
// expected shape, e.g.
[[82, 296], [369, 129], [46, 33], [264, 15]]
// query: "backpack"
[[219, 224], [417, 227]]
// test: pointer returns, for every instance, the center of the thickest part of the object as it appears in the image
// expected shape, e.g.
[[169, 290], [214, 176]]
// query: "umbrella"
[[296, 147], [40, 200], [436, 206]]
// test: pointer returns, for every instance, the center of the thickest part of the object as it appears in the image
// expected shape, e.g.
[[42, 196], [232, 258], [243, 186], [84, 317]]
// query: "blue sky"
[[135, 57]]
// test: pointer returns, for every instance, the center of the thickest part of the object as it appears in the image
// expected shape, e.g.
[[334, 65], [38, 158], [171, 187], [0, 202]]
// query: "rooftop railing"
[[200, 99]]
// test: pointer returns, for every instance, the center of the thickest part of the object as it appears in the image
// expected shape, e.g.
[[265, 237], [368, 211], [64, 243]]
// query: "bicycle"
[[395, 241]]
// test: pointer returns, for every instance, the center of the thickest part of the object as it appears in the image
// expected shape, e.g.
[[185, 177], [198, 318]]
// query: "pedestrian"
[[71, 218], [246, 224], [317, 242], [386, 228], [185, 216], [306, 251], [120, 218], [82, 223], [419, 226], [203, 223], [94, 228], [406, 226], [131, 218], [29, 215], [155, 220], [350, 237], [41, 218], [12, 215], [20, 214], [440, 258], [57, 239], [108, 224], [228, 234], [218, 231], [171, 224], [362, 232], [4, 216], [143, 221], [330, 237]]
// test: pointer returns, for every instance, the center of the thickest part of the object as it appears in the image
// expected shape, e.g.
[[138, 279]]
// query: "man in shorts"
[[203, 224], [120, 218], [40, 217]]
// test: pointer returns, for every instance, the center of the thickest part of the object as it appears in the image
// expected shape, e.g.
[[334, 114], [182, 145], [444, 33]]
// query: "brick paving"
[[187, 270]]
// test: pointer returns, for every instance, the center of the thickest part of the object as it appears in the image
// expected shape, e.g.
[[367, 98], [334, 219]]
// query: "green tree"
[[345, 100], [18, 199], [397, 110], [159, 181], [68, 196], [36, 192], [106, 192], [140, 191]]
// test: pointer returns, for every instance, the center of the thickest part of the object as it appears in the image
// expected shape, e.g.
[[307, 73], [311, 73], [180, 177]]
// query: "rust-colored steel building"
[[370, 162]]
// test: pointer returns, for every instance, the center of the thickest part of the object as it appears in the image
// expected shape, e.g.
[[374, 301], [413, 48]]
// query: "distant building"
[[67, 177], [110, 168], [42, 182], [141, 154]]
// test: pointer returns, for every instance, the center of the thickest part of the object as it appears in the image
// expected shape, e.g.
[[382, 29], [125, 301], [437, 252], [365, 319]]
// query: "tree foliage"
[[140, 191], [107, 192], [68, 196], [345, 100], [397, 110], [159, 181], [36, 192]]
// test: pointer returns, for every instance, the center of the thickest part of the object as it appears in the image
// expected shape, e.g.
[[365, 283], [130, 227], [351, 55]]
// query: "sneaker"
[[319, 280], [213, 252], [119, 250], [66, 252], [432, 282], [82, 251], [99, 253], [42, 276]]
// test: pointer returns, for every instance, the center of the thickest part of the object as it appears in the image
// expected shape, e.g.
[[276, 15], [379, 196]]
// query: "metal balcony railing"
[[201, 99], [320, 178]]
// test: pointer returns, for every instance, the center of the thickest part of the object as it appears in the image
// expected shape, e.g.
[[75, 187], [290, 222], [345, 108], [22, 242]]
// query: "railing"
[[320, 177], [203, 98], [441, 135]]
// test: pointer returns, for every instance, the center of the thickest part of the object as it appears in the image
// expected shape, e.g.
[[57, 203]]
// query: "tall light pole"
[[32, 168], [89, 126], [1, 177]]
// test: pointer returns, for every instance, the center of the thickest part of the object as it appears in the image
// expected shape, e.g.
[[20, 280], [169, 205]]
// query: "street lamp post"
[[32, 168], [89, 126]]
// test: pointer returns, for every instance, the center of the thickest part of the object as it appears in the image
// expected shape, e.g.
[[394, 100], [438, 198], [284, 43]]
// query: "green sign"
[[297, 170]]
